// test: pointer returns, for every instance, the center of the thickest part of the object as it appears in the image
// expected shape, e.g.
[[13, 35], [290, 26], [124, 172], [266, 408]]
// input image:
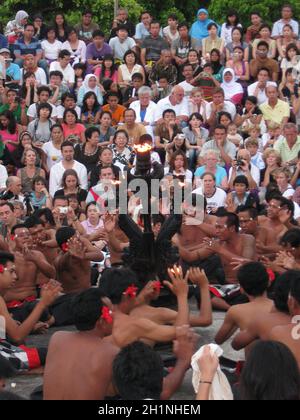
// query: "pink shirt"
[[89, 228], [6, 136], [77, 130]]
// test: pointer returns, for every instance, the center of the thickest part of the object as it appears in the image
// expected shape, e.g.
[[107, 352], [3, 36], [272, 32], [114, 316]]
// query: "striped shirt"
[[34, 47]]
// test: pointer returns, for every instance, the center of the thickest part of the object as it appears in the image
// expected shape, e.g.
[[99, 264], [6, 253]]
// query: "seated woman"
[[75, 46], [75, 205], [196, 136], [40, 128], [93, 225], [9, 130], [71, 185], [28, 90], [217, 66], [88, 153], [91, 110], [40, 196], [233, 91], [265, 34], [283, 177], [106, 130], [178, 167], [105, 160], [30, 170], [90, 84], [108, 70], [287, 86], [52, 148], [241, 196], [165, 133], [237, 41], [26, 143], [122, 154], [291, 60], [272, 161], [179, 142], [288, 37], [197, 103], [128, 69], [212, 41], [211, 166], [72, 128], [51, 46], [240, 67]]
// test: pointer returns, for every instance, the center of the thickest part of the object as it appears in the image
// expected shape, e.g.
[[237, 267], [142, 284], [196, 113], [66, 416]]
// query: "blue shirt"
[[14, 71], [3, 41], [33, 48], [220, 174]]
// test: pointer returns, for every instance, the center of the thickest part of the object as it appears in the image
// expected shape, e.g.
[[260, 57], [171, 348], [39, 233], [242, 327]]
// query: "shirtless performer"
[[260, 327], [290, 334], [85, 353], [163, 316], [121, 286], [73, 266], [265, 238], [254, 281], [17, 332], [228, 245], [41, 238], [93, 346], [22, 298]]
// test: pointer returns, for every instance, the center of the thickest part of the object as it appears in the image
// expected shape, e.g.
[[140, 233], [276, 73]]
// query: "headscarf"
[[86, 84], [199, 28], [21, 14], [231, 88]]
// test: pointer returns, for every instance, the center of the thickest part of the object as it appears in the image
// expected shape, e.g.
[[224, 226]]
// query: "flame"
[[142, 148]]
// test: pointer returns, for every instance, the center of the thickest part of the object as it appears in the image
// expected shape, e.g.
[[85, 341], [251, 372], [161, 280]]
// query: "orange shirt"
[[117, 115]]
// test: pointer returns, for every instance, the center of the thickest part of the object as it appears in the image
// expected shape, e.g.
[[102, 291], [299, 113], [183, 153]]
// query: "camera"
[[63, 210], [240, 162]]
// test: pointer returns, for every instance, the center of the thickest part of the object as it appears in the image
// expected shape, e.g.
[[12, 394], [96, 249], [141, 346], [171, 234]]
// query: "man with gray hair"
[[211, 160], [122, 19], [178, 103], [145, 109], [13, 190], [289, 146]]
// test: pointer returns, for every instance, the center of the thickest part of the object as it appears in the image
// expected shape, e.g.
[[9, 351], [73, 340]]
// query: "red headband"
[[131, 291], [157, 286], [65, 247], [106, 314], [1, 268]]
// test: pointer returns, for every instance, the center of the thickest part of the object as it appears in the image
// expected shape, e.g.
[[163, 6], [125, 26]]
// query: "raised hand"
[[76, 248], [178, 284], [198, 277], [50, 292], [109, 223]]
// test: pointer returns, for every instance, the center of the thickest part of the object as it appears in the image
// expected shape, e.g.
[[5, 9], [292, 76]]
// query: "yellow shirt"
[[276, 114], [284, 150]]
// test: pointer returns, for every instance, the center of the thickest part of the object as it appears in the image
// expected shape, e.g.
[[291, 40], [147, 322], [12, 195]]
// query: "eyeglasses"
[[272, 206]]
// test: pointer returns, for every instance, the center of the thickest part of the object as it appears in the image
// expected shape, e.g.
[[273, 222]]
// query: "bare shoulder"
[[2, 305], [249, 239]]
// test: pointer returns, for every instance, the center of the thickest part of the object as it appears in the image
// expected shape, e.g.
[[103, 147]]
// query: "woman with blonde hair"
[[272, 161], [283, 178], [30, 171]]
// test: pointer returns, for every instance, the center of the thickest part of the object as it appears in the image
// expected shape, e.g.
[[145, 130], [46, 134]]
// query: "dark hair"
[[130, 52], [183, 25], [195, 115], [28, 24], [64, 53], [158, 218], [56, 73], [291, 237], [33, 221], [73, 112], [37, 179], [264, 69], [60, 197], [69, 172], [291, 46], [56, 126], [253, 278], [99, 33], [232, 220], [168, 111], [295, 286], [211, 25], [230, 13], [138, 372], [108, 57], [282, 288], [4, 258], [115, 281], [270, 373], [7, 203], [220, 127], [67, 95], [86, 308], [18, 226], [47, 213], [226, 114], [238, 28], [12, 123], [137, 76], [155, 22], [63, 234], [173, 16], [121, 132], [89, 132], [265, 25], [173, 158], [263, 44], [66, 144], [44, 106], [241, 179], [253, 213], [252, 99]]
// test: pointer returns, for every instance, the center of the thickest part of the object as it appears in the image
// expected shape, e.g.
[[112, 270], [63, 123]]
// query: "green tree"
[[269, 9]]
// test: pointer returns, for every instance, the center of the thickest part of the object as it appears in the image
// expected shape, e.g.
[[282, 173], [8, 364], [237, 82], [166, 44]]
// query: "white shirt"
[[79, 54], [261, 97], [56, 174], [51, 50], [61, 109], [53, 154], [3, 177], [187, 87], [214, 202], [288, 192], [254, 171], [68, 72], [278, 27], [149, 117], [228, 107], [40, 76], [32, 110], [168, 34], [164, 104], [120, 48]]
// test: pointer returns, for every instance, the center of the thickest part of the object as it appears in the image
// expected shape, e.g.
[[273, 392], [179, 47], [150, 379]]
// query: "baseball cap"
[[4, 50]]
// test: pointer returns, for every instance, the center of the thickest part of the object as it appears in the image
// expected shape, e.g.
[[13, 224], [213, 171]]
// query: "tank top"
[[26, 181]]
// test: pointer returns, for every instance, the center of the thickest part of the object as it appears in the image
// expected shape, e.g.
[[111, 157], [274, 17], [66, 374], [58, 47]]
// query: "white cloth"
[[254, 171], [149, 117], [54, 155], [220, 389], [179, 109], [68, 71], [51, 49], [56, 174], [32, 110], [79, 54], [231, 88], [261, 96], [228, 107], [3, 177], [61, 109], [215, 201]]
